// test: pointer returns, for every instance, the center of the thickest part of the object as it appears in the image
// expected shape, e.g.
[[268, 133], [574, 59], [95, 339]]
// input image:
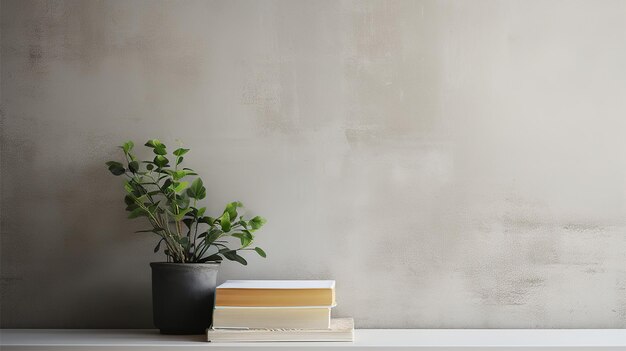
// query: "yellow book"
[[276, 293]]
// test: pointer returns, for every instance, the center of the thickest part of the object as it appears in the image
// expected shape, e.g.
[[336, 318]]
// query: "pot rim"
[[189, 264]]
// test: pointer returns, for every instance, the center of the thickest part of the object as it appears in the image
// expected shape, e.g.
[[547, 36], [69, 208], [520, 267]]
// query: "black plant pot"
[[183, 296]]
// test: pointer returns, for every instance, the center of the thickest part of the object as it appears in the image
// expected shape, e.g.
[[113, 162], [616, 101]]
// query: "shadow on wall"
[[85, 256]]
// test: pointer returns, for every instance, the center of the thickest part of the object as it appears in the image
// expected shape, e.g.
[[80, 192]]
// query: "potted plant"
[[194, 244]]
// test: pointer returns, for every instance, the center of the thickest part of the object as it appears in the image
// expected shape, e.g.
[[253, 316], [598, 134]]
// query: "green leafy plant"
[[168, 197]]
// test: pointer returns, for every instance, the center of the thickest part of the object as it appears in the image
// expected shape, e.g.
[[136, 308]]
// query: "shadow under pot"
[[183, 296]]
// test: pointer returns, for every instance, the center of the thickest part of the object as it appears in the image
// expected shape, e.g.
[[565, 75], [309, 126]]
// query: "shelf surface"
[[365, 339]]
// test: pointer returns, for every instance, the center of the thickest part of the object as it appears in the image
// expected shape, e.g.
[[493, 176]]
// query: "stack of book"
[[277, 310]]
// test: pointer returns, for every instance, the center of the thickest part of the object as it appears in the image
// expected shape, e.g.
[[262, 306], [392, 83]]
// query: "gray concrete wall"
[[449, 163]]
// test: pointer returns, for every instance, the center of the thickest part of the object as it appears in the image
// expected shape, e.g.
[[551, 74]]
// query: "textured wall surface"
[[449, 163]]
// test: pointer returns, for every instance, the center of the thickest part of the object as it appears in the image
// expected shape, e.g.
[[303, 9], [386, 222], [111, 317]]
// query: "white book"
[[270, 317], [341, 329], [278, 284]]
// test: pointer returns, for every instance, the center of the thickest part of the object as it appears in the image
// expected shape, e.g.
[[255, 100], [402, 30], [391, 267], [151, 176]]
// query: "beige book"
[[276, 293], [341, 329], [271, 317]]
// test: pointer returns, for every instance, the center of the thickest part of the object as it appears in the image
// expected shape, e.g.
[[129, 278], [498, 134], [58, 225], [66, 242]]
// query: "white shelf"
[[366, 339]]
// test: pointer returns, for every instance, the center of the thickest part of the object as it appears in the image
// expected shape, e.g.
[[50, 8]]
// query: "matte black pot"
[[183, 296]]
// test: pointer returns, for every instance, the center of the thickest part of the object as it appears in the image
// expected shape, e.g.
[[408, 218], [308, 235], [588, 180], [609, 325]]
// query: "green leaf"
[[257, 222], [180, 151], [150, 166], [142, 198], [214, 257], [179, 160], [231, 208], [207, 220], [166, 184], [200, 212], [134, 189], [179, 186], [133, 166], [178, 174], [225, 222], [246, 238], [138, 212], [160, 150], [190, 171], [155, 208], [158, 246], [184, 242], [153, 230], [129, 200], [161, 161], [188, 222], [212, 235], [232, 255], [182, 200], [129, 188], [153, 143], [197, 190], [260, 252], [196, 212], [179, 217], [116, 168], [127, 146]]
